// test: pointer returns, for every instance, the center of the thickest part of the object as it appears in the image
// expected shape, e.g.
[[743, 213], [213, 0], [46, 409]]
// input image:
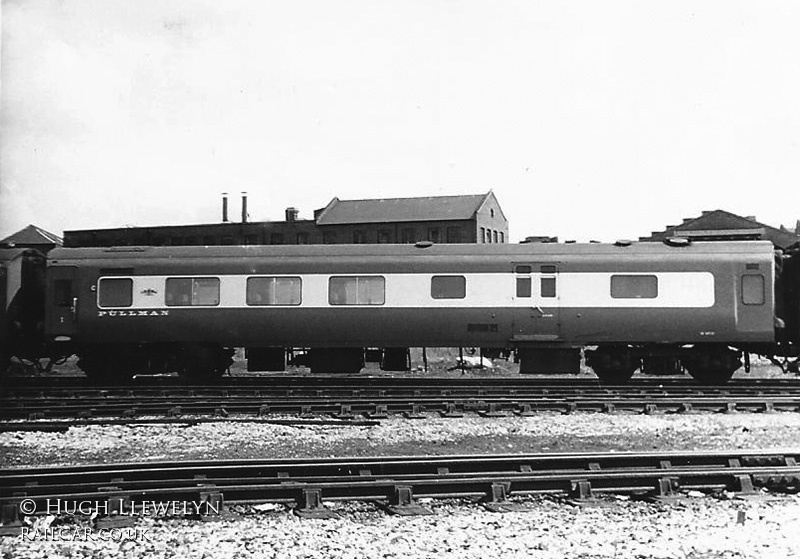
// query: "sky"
[[588, 120]]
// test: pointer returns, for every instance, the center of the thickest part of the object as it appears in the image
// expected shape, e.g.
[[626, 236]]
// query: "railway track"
[[377, 397], [203, 488]]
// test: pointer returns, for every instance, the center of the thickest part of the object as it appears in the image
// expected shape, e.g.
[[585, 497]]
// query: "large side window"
[[192, 292], [115, 292], [634, 287], [274, 291], [356, 290], [753, 289], [448, 287]]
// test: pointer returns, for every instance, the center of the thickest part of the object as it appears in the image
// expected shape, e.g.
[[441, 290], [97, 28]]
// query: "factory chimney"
[[224, 207], [244, 207]]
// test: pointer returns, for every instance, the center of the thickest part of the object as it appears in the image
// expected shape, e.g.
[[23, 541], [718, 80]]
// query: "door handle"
[[542, 314], [74, 308]]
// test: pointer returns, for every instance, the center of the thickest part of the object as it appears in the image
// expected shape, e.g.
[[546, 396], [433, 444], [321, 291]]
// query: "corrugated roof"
[[430, 208], [31, 235]]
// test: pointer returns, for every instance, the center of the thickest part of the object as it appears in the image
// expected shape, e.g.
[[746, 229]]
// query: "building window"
[[274, 291], [276, 239], [491, 212], [329, 237], [448, 287], [494, 237], [454, 234], [433, 234], [407, 235], [359, 238], [488, 235], [502, 237], [356, 290], [192, 292], [483, 234], [523, 287], [115, 292], [209, 240], [634, 287], [251, 239], [302, 238], [384, 236], [753, 289]]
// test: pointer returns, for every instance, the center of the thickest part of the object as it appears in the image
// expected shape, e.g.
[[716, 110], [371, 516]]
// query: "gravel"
[[706, 527]]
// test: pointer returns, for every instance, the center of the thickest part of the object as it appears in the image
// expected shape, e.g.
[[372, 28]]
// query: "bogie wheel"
[[204, 363], [711, 376], [713, 367], [612, 365]]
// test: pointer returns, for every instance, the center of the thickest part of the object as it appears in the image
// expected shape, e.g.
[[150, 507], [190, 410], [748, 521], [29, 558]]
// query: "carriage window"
[[548, 287], [448, 287], [753, 289], [273, 291], [356, 290], [523, 287], [634, 287], [115, 292], [192, 292]]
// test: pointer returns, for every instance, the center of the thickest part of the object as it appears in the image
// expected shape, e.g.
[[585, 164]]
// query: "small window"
[[502, 237], [448, 287], [494, 237], [634, 287], [547, 269], [276, 239], [523, 269], [251, 239], [192, 292], [523, 287], [407, 236], [115, 292], [329, 238], [483, 234], [434, 234], [302, 238], [274, 291], [548, 287], [356, 290], [359, 238], [753, 289], [384, 237]]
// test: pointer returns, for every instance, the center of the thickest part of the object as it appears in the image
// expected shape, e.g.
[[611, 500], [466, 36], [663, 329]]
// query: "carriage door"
[[62, 300], [536, 303]]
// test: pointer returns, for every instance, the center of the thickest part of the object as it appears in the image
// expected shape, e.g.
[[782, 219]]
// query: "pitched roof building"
[[441, 219], [32, 237], [718, 225]]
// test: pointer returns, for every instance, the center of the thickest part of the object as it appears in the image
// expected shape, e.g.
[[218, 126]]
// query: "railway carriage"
[[659, 307]]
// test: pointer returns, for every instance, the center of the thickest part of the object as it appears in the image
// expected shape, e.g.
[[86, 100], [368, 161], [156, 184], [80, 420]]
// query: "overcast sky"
[[589, 120]]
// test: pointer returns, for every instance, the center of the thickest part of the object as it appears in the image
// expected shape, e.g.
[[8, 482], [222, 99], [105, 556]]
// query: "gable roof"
[[430, 208], [717, 224], [31, 236]]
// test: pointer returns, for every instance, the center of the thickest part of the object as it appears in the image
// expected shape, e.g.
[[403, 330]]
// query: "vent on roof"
[[423, 244], [677, 241], [623, 243]]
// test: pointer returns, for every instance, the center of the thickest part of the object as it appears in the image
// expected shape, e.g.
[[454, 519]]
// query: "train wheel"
[[714, 367], [204, 363], [108, 365], [612, 365]]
